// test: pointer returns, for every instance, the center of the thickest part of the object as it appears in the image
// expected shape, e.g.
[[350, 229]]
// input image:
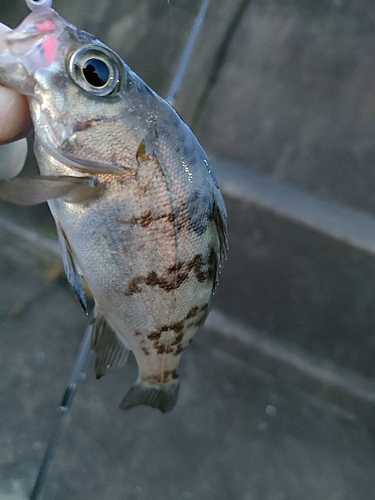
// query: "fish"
[[139, 213]]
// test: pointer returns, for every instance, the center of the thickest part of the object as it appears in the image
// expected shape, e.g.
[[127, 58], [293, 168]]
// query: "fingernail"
[[12, 158]]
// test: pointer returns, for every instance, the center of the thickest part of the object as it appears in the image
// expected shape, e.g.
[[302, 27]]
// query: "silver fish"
[[138, 211]]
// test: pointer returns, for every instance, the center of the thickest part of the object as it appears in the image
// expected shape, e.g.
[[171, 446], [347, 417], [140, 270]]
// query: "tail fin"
[[163, 397]]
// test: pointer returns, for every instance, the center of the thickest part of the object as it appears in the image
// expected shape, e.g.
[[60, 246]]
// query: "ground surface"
[[236, 433]]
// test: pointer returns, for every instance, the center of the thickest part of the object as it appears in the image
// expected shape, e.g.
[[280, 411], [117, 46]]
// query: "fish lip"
[[28, 30], [16, 55], [14, 74], [3, 31], [15, 36]]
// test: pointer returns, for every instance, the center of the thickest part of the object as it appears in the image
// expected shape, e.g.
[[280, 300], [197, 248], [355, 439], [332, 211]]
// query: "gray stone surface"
[[294, 97], [302, 286], [292, 100], [236, 433]]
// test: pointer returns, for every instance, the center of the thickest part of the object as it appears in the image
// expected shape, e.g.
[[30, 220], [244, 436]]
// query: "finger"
[[15, 121], [12, 158]]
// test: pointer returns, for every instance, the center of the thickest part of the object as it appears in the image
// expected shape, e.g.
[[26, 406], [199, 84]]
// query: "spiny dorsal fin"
[[219, 217], [72, 273], [110, 350]]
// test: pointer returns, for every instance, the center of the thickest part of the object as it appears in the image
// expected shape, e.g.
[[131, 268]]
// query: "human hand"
[[15, 124]]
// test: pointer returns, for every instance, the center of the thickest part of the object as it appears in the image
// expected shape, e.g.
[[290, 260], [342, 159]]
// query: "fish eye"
[[95, 69], [96, 72]]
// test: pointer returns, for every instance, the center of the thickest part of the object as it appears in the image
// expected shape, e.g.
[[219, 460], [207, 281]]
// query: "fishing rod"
[[66, 403], [85, 347]]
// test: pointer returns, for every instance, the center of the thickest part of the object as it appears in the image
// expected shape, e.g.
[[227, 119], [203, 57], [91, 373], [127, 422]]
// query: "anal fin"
[[163, 396], [110, 350], [72, 273]]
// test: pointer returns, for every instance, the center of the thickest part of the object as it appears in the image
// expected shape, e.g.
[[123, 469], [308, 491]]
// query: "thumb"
[[15, 123], [12, 158]]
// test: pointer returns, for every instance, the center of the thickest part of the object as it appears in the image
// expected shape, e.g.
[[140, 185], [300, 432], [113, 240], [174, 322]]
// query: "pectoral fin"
[[110, 350], [71, 270], [34, 190]]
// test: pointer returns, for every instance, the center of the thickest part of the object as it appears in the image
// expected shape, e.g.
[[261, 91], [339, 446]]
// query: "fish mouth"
[[14, 75], [3, 31], [32, 46], [34, 29]]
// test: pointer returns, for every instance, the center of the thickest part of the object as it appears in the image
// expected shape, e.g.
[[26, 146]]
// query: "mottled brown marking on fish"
[[171, 374], [148, 218], [133, 286], [145, 219], [179, 349], [178, 339], [166, 376], [145, 350], [196, 265], [164, 349], [174, 346], [193, 312], [154, 336], [153, 279], [175, 267], [167, 347], [180, 278], [177, 327]]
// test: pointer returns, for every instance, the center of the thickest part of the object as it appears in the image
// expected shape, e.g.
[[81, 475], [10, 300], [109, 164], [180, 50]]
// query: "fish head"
[[75, 86]]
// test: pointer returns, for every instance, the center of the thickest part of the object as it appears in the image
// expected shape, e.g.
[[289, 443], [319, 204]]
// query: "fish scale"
[[138, 211]]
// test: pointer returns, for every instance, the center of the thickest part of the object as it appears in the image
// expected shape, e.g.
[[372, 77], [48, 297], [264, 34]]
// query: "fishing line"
[[84, 348], [187, 53]]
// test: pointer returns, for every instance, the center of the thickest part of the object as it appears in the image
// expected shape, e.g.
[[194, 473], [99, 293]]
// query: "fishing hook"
[[187, 53], [37, 4]]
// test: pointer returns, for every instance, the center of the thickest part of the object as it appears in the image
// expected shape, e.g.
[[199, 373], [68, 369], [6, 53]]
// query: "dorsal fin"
[[110, 350], [219, 217]]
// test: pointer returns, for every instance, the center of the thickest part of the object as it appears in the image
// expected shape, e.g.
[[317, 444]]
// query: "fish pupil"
[[96, 72]]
